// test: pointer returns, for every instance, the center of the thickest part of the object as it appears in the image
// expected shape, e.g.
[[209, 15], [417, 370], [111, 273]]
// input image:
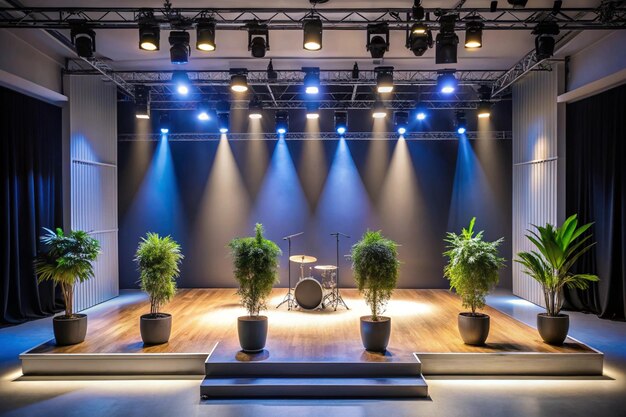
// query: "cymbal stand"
[[290, 298], [338, 298]]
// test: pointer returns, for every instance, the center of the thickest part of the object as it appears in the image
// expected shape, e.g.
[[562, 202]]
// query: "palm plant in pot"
[[472, 270], [158, 259], [376, 267], [66, 260], [255, 261], [557, 249]]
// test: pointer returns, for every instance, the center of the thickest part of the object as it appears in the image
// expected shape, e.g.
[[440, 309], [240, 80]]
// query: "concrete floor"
[[597, 397]]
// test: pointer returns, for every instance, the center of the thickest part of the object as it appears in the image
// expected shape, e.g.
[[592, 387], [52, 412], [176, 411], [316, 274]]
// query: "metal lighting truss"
[[206, 137], [610, 15]]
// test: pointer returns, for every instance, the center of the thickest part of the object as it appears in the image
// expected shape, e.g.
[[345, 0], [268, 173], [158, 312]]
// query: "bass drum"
[[309, 293]]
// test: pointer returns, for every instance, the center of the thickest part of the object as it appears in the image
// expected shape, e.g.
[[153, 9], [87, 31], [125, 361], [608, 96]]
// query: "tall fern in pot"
[[67, 259], [255, 261], [556, 251], [376, 268], [472, 270], [158, 259]]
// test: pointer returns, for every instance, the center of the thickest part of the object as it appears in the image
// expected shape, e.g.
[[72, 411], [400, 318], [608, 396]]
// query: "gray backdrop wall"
[[206, 193]]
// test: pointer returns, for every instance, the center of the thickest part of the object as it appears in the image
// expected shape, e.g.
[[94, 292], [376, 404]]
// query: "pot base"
[[553, 329], [474, 329], [155, 329], [252, 332], [70, 331], [375, 334]]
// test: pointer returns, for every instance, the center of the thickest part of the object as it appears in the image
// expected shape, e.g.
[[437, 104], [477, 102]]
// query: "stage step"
[[288, 387], [312, 369]]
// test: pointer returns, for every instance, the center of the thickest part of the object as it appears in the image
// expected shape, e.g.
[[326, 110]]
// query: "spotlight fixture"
[[222, 106], [142, 95], [417, 11], [484, 110], [312, 28], [419, 38], [312, 111], [493, 6], [401, 121], [447, 40], [544, 41], [203, 111], [84, 39], [355, 71], [181, 81], [341, 122], [447, 82], [384, 79], [282, 122], [258, 39], [149, 36], [379, 111], [311, 80], [420, 114], [271, 74], [239, 80], [377, 39], [461, 123], [518, 3], [222, 122], [205, 35], [179, 47], [164, 123], [255, 109], [473, 33]]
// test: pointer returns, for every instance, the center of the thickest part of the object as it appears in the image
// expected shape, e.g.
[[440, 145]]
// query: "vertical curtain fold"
[[595, 189], [30, 198]]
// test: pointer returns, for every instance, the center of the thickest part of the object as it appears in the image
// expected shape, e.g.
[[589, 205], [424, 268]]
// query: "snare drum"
[[309, 293]]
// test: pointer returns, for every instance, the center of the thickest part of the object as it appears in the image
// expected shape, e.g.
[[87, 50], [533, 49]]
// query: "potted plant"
[[158, 259], [255, 261], [375, 264], [472, 270], [557, 249], [67, 259]]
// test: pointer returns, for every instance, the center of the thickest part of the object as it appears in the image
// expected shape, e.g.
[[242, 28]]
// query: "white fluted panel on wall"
[[535, 163], [93, 152]]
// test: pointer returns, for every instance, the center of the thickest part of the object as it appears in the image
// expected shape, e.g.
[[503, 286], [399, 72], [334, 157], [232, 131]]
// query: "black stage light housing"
[[258, 40], [223, 122], [222, 106], [355, 71], [447, 41], [341, 122], [461, 123], [239, 80], [312, 28], [401, 121], [142, 102], [493, 6], [377, 39], [518, 3], [255, 108], [271, 74], [544, 40], [84, 39], [311, 80], [419, 39], [205, 35], [179, 47], [282, 122], [474, 33], [384, 79], [149, 36], [417, 11], [484, 109], [164, 123]]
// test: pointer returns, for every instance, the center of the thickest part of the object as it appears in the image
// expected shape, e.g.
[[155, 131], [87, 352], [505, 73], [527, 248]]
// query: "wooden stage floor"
[[422, 321]]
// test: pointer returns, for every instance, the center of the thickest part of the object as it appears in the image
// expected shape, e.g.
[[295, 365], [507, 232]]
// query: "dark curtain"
[[30, 198], [595, 188]]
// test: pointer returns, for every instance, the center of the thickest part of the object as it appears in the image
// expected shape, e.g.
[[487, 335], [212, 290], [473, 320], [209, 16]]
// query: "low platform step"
[[391, 387]]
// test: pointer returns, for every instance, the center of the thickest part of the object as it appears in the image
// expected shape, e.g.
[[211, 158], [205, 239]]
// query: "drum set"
[[311, 293]]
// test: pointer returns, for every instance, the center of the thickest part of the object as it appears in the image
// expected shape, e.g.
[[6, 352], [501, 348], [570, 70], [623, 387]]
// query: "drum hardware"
[[289, 297], [337, 298]]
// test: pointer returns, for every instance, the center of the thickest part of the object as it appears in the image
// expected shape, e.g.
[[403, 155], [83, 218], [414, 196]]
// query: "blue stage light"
[[461, 123], [341, 122], [341, 130], [181, 80], [311, 80], [282, 122], [401, 121], [460, 130], [203, 112], [401, 130], [164, 123], [447, 82], [421, 115], [165, 130], [222, 122]]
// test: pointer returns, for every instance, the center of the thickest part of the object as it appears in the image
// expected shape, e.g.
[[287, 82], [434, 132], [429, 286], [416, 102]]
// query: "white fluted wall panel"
[[535, 167], [93, 152]]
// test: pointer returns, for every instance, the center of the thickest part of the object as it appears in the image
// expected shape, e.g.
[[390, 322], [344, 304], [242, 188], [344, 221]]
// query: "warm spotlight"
[[222, 122], [473, 34], [179, 47], [239, 82], [379, 111], [312, 111], [149, 36], [447, 40], [484, 110], [181, 81], [311, 80], [205, 35], [255, 108], [312, 28], [384, 79], [447, 82], [419, 38], [142, 96], [377, 39], [341, 122]]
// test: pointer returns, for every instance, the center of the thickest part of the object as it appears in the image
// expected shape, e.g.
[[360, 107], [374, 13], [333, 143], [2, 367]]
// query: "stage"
[[424, 330]]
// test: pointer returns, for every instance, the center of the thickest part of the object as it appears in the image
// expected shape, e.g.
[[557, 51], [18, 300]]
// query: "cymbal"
[[325, 267], [303, 259]]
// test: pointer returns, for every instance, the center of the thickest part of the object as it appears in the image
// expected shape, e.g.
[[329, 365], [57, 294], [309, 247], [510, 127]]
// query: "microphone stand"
[[338, 298], [289, 297]]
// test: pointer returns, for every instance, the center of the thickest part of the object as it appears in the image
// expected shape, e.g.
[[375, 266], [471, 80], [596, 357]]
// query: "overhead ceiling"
[[501, 49]]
